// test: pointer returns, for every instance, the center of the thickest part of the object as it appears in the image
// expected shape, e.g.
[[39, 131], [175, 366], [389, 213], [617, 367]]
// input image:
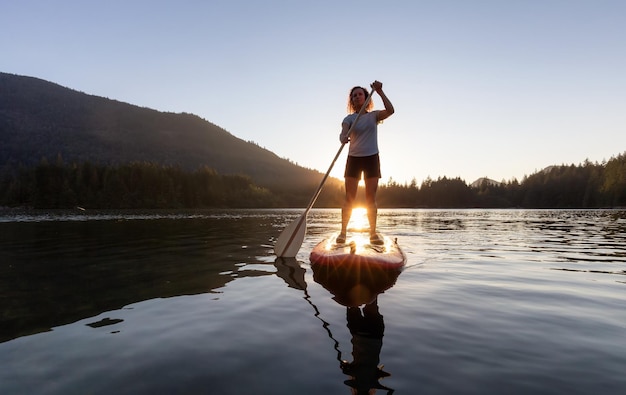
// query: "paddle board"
[[356, 272], [355, 251]]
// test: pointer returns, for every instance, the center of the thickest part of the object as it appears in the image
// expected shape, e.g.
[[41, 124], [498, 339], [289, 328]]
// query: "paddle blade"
[[290, 241]]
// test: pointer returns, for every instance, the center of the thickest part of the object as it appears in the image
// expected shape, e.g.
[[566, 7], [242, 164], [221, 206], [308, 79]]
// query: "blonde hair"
[[350, 106]]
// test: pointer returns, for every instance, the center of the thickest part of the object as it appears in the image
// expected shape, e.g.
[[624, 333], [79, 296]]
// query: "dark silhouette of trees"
[[613, 185], [56, 184], [445, 192], [133, 185], [588, 185]]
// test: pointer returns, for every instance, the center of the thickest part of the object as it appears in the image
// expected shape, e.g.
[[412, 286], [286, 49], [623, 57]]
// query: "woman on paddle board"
[[362, 155]]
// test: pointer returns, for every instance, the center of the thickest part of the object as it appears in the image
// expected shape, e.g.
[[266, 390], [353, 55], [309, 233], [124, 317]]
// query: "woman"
[[362, 155]]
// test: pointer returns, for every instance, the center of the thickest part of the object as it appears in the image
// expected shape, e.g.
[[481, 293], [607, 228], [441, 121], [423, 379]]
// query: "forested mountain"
[[40, 119], [61, 148]]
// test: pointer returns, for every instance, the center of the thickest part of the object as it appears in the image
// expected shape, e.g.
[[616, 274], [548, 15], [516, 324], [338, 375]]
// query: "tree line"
[[588, 185], [130, 186], [148, 185]]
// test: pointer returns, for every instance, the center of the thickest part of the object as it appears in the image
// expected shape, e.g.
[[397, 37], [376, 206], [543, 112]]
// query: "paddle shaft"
[[302, 219]]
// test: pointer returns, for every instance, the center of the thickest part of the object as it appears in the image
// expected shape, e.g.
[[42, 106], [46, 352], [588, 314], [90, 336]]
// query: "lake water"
[[490, 301]]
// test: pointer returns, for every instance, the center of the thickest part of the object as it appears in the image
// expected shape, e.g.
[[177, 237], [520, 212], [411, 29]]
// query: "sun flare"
[[358, 221]]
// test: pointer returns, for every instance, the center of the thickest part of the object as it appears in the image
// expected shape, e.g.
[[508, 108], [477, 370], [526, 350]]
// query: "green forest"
[[145, 185]]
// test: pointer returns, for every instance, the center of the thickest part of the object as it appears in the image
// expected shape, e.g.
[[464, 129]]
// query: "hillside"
[[484, 181], [133, 157], [42, 119]]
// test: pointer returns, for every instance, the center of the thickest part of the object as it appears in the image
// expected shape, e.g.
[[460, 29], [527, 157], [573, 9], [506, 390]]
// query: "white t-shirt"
[[364, 135]]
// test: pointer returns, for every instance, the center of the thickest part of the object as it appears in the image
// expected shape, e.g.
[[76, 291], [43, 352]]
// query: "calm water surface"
[[491, 301]]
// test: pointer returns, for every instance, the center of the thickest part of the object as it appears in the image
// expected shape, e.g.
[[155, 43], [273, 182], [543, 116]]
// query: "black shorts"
[[368, 165]]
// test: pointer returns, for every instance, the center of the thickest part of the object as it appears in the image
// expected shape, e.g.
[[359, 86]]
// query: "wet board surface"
[[358, 251]]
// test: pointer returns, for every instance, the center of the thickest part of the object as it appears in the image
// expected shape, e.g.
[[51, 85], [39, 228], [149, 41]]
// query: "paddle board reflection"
[[357, 286], [355, 283]]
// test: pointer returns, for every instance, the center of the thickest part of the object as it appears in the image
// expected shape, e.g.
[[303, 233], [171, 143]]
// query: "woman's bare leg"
[[371, 186], [352, 184]]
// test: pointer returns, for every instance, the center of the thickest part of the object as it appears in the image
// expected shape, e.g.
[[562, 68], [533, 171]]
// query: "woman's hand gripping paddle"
[[290, 240]]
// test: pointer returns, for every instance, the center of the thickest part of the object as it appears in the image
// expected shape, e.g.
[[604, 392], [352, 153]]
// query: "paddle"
[[290, 240]]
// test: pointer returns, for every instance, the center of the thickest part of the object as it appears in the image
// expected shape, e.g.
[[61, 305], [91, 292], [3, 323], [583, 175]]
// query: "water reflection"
[[357, 286], [486, 291], [367, 328], [54, 273], [291, 272]]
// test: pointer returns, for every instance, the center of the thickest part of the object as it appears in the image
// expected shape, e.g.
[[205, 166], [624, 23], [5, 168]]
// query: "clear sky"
[[485, 88]]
